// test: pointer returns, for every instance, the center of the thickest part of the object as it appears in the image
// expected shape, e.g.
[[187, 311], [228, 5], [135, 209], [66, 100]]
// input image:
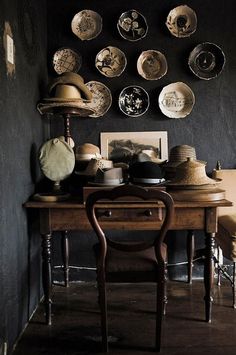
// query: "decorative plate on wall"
[[133, 101], [132, 25], [176, 100], [152, 65], [182, 21], [102, 98], [86, 24], [110, 61], [206, 61], [66, 60]]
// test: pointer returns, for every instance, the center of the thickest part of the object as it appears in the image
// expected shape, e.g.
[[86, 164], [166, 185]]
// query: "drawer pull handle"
[[108, 213], [148, 213]]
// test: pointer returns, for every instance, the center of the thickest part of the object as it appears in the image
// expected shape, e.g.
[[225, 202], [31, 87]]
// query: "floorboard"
[[76, 322]]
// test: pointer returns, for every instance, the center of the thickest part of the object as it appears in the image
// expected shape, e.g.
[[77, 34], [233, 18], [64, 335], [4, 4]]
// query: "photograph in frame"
[[122, 146]]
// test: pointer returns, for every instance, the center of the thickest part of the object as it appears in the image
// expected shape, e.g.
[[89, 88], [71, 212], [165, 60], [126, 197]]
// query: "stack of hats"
[[146, 172], [89, 160], [67, 91], [178, 155]]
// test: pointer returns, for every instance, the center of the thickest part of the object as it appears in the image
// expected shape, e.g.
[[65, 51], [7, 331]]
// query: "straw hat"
[[191, 173], [93, 166], [86, 152], [67, 90]]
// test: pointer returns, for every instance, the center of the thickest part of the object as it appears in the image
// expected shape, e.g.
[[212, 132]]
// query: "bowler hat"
[[146, 172]]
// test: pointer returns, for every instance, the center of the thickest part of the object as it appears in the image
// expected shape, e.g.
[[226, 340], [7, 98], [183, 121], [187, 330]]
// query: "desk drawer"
[[129, 214]]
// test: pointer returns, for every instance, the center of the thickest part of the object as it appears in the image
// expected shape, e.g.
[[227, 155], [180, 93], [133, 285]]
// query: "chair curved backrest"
[[148, 259], [141, 194], [228, 183]]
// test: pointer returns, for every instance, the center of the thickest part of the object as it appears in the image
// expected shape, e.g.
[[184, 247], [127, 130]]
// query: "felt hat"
[[146, 172], [57, 159], [108, 177], [67, 90]]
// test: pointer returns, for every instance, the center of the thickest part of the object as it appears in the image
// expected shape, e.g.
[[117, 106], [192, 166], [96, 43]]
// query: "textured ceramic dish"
[[110, 61], [133, 101], [66, 60], [132, 25], [206, 61], [102, 98], [176, 100], [152, 65], [182, 21], [86, 24]]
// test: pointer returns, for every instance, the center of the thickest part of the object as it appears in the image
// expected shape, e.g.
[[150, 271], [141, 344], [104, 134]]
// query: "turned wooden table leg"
[[47, 276], [190, 254], [65, 256], [209, 274]]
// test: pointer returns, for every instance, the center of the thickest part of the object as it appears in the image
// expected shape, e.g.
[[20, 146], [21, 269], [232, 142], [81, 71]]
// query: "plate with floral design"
[[133, 101], [110, 61], [102, 98], [132, 25]]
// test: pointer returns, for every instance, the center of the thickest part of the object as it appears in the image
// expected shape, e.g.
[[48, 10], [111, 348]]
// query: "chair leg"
[[165, 290], [160, 304], [103, 308], [234, 285], [190, 254], [65, 256], [218, 269]]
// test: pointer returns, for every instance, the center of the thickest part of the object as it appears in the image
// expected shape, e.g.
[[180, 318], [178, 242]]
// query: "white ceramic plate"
[[176, 100], [66, 60], [110, 61], [86, 24], [102, 98]]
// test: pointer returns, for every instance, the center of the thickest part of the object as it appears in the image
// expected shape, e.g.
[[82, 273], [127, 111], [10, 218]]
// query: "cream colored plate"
[[102, 98], [86, 24]]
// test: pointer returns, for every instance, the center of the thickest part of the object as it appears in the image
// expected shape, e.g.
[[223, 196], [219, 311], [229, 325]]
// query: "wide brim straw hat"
[[67, 90], [192, 173]]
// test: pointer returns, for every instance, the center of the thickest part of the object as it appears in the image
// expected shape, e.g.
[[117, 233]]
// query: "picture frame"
[[121, 146]]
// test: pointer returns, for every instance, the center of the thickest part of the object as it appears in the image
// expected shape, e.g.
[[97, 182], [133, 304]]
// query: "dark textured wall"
[[21, 133], [210, 128]]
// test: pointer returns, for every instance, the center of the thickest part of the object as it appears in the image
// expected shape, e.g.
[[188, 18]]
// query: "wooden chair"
[[133, 261], [226, 235]]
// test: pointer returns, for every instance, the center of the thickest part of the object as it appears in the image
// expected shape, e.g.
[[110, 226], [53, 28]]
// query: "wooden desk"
[[71, 215]]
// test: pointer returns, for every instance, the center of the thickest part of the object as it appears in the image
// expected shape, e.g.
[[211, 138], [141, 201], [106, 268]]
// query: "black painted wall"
[[210, 128], [21, 133]]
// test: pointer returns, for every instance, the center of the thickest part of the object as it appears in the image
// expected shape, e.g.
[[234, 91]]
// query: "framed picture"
[[121, 146]]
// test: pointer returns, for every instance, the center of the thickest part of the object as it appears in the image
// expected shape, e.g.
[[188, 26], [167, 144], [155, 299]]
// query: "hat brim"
[[80, 107], [188, 183]]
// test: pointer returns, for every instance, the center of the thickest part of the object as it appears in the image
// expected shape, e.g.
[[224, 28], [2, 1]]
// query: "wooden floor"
[[76, 320]]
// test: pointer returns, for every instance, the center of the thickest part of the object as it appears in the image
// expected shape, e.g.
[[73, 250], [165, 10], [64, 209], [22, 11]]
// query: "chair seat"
[[130, 266], [226, 236]]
